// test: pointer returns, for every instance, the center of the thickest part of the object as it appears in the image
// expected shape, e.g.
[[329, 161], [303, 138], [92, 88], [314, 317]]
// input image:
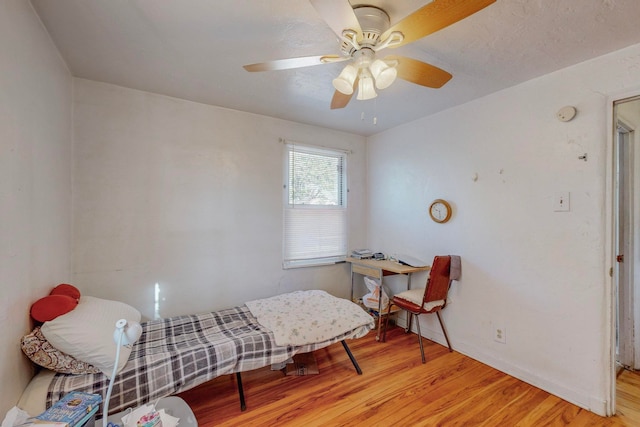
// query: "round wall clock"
[[440, 211]]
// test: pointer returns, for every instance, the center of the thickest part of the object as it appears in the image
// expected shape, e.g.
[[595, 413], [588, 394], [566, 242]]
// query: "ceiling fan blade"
[[338, 14], [285, 64], [433, 17], [419, 72], [340, 100]]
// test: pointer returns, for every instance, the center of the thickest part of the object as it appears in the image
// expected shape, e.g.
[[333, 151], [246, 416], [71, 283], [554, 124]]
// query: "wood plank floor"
[[628, 397], [395, 389]]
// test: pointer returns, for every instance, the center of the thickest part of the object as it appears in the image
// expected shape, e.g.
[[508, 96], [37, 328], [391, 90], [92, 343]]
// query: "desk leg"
[[380, 308], [380, 304], [379, 312], [352, 283], [409, 315]]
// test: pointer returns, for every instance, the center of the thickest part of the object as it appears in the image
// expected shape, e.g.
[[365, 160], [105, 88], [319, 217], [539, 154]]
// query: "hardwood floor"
[[395, 389], [628, 397]]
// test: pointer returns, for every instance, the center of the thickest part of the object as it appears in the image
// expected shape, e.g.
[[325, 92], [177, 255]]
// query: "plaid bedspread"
[[179, 353]]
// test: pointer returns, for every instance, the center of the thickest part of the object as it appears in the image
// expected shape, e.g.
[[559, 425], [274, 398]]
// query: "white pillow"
[[86, 332]]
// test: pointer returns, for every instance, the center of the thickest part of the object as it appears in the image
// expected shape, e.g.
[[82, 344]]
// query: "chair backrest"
[[439, 280]]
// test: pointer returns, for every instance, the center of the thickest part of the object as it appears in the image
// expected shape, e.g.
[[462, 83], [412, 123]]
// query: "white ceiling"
[[195, 50]]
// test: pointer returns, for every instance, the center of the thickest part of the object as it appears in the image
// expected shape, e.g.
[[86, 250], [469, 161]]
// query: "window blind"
[[315, 208]]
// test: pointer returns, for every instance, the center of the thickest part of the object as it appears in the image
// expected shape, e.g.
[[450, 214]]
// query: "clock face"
[[440, 211]]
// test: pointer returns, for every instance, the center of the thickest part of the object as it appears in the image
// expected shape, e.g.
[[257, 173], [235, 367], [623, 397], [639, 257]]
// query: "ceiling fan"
[[364, 31]]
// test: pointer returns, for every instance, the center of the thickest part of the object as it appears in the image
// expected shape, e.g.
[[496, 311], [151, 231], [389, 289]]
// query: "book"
[[73, 410]]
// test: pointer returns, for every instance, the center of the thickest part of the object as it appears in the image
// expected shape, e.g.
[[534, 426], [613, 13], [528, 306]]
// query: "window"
[[315, 206]]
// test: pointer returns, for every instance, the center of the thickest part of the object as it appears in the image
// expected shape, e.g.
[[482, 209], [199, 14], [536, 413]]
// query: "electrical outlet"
[[500, 335]]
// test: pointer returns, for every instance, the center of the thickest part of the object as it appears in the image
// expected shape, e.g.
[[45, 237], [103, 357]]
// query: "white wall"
[[35, 182], [189, 196], [541, 275]]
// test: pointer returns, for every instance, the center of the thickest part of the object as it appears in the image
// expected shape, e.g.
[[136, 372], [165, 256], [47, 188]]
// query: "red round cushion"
[[65, 289], [52, 306]]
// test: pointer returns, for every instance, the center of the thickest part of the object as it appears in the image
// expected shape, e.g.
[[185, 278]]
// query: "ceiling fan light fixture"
[[344, 82], [383, 73], [366, 89]]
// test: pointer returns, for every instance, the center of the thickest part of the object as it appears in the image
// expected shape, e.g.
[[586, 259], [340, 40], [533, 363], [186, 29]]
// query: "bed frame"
[[243, 404]]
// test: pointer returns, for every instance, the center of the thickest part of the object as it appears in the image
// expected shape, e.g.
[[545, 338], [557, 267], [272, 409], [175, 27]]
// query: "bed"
[[179, 353]]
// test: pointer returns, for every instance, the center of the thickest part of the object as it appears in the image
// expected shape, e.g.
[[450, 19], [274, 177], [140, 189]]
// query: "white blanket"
[[305, 317]]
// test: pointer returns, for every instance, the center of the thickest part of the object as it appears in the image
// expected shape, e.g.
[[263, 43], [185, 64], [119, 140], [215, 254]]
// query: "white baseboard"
[[576, 397]]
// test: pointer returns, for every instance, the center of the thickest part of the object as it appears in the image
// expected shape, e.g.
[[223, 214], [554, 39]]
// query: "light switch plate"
[[561, 201]]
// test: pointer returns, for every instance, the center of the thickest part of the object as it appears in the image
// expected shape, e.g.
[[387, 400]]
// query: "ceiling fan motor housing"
[[373, 22]]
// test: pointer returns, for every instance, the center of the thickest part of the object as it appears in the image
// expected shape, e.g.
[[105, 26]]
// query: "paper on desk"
[[410, 261]]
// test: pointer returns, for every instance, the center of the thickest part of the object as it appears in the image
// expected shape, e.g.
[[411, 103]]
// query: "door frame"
[[610, 293], [623, 217]]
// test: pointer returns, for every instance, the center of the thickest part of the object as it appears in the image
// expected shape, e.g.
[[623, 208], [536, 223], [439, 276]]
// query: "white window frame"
[[314, 234]]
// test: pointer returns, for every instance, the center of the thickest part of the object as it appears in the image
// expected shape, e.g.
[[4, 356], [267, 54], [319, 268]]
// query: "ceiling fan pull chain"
[[375, 112]]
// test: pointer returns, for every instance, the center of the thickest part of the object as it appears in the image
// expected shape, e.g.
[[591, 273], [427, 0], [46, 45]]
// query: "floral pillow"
[[41, 352]]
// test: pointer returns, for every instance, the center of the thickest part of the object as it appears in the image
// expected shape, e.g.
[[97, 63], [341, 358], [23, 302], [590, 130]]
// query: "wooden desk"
[[377, 270]]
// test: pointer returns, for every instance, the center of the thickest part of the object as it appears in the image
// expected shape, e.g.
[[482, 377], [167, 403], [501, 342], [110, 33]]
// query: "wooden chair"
[[430, 299]]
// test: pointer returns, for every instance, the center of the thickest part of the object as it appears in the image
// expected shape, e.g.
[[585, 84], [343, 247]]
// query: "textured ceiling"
[[195, 50]]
